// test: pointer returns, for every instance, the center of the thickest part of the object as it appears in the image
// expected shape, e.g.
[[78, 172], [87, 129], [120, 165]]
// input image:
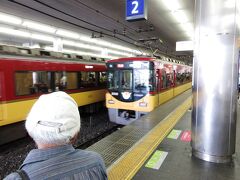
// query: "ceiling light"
[[180, 16], [68, 34], [10, 19], [81, 45], [38, 26], [171, 5], [43, 37], [9, 31], [119, 53], [48, 48], [229, 4], [187, 26], [89, 54]]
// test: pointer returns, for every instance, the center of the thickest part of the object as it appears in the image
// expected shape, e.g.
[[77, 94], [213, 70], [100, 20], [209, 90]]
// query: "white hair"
[[53, 119]]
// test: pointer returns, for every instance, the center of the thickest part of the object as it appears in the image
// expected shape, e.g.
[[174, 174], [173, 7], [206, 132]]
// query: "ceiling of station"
[[106, 20]]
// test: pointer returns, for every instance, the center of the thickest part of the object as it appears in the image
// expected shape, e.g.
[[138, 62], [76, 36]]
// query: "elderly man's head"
[[54, 119]]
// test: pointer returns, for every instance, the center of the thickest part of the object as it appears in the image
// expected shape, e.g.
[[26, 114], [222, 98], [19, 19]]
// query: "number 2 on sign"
[[135, 11]]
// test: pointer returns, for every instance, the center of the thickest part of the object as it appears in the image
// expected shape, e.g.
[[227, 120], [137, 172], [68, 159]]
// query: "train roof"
[[133, 59]]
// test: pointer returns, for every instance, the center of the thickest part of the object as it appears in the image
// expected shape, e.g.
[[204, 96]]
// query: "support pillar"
[[215, 80]]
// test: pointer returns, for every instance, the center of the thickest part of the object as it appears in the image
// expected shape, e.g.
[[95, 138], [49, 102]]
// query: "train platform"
[[157, 146]]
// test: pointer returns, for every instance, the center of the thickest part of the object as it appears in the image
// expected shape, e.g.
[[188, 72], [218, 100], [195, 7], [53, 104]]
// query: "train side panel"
[[180, 89], [17, 111], [165, 96], [88, 97], [1, 96]]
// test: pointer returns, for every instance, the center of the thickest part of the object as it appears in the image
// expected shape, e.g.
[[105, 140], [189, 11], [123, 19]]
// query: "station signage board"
[[136, 10]]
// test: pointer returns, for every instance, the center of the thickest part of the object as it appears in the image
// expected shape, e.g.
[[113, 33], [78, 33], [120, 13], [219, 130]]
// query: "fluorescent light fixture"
[[88, 67], [88, 54], [119, 53], [66, 33], [187, 26], [48, 48], [13, 32], [229, 4], [43, 37], [107, 44], [180, 16], [81, 45], [10, 19], [32, 25], [38, 26], [184, 46], [171, 5]]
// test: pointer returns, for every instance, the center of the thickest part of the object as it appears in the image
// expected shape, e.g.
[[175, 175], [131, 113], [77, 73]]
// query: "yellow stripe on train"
[[12, 112], [151, 101]]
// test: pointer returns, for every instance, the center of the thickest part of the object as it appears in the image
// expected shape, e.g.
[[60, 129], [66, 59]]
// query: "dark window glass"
[[79, 57], [102, 78], [88, 79], [126, 79], [113, 80], [141, 80], [66, 80], [27, 83], [44, 53]]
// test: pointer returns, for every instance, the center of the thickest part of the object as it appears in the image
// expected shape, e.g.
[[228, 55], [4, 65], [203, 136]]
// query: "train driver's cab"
[[130, 81]]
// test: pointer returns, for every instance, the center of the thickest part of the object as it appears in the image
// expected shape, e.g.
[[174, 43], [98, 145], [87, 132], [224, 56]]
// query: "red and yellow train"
[[23, 80], [138, 85]]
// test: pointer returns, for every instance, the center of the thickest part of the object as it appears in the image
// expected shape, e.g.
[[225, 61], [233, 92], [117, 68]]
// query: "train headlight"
[[111, 101], [143, 104]]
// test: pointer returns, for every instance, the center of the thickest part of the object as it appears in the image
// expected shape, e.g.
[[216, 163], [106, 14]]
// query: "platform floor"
[[179, 163], [148, 149]]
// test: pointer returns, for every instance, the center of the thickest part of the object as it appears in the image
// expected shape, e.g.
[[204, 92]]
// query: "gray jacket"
[[63, 162]]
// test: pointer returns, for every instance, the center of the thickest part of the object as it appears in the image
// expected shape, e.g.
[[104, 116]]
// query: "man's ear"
[[74, 138]]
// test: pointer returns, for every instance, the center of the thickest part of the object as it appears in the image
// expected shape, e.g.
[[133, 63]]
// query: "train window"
[[24, 51], [112, 79], [152, 79], [60, 81], [164, 80], [102, 78], [79, 57], [141, 80], [23, 83], [44, 53], [72, 80], [88, 79], [180, 78], [93, 58], [27, 82], [126, 79]]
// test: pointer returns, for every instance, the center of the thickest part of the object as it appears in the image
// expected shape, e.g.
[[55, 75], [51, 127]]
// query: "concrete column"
[[215, 80]]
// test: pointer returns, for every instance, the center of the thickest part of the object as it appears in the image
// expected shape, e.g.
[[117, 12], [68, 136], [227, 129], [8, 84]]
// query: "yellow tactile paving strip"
[[127, 166]]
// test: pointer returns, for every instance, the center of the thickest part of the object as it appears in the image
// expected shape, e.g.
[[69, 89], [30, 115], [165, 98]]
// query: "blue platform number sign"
[[136, 10]]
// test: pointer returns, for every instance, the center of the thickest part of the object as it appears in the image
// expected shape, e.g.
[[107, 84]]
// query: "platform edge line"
[[166, 124]]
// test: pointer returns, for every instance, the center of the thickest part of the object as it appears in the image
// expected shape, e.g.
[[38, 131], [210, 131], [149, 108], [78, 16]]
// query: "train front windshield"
[[130, 81]]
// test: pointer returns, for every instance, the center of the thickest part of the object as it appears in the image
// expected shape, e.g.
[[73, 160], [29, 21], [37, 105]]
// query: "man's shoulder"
[[13, 176], [89, 154]]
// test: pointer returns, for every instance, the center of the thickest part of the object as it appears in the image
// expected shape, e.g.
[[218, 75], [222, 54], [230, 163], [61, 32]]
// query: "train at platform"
[[138, 85], [23, 78]]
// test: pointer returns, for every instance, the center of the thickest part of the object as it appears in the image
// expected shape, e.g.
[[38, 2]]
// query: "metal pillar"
[[215, 80]]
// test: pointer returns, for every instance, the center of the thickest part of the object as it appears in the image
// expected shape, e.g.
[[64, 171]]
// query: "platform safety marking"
[[174, 134], [129, 163], [156, 160], [186, 136]]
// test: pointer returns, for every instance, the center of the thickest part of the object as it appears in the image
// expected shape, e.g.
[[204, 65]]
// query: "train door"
[[1, 96]]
